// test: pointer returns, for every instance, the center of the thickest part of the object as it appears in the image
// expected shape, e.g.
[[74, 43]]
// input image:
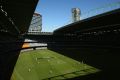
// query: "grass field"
[[46, 64]]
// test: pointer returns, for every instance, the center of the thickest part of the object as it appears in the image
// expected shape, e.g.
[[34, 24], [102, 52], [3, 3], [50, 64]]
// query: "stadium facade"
[[36, 23]]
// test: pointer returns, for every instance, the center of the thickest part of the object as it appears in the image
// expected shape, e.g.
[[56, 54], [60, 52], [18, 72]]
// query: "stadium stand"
[[15, 17], [94, 40]]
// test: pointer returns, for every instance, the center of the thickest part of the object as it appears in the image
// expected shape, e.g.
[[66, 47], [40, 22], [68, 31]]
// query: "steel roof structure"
[[20, 12], [107, 18]]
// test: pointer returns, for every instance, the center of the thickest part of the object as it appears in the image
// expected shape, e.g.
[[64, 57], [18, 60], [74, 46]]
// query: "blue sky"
[[56, 13]]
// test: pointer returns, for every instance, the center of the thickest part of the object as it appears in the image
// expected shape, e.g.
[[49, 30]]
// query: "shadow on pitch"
[[105, 59]]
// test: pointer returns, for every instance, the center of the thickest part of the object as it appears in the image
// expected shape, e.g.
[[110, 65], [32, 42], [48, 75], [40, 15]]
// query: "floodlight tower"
[[75, 14]]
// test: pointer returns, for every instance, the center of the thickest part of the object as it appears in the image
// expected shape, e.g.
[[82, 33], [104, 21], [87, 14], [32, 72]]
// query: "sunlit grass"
[[46, 64]]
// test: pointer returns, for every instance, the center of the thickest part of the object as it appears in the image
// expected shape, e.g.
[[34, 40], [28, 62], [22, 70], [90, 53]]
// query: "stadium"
[[75, 51]]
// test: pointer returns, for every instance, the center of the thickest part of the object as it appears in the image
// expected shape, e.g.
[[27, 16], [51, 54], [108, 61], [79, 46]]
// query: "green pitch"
[[46, 64]]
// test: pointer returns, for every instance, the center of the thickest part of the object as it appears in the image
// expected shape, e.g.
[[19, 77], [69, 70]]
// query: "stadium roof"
[[20, 11], [107, 18]]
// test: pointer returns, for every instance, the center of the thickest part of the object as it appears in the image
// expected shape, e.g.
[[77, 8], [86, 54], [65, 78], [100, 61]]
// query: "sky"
[[57, 13]]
